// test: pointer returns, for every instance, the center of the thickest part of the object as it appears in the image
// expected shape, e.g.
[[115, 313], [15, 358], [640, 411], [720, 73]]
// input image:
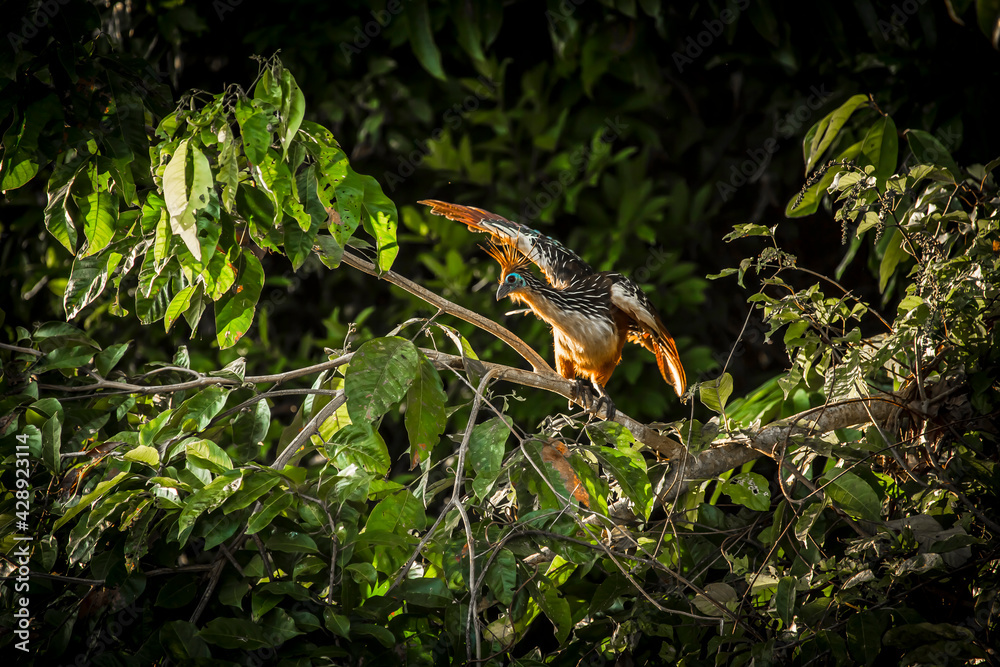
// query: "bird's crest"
[[508, 257]]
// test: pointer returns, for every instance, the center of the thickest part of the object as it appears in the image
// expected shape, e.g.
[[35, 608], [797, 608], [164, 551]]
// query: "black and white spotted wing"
[[647, 329]]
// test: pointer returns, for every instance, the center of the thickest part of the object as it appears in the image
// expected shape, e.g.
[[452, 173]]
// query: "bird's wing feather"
[[559, 264], [648, 330]]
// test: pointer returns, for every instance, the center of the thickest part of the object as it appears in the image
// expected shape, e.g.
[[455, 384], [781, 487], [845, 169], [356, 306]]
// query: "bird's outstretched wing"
[[647, 329], [560, 265]]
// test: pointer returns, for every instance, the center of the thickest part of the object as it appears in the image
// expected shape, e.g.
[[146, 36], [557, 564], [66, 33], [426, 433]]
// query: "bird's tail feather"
[[669, 363], [475, 218]]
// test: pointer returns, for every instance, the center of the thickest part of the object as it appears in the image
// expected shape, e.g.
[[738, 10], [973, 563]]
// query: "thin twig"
[[23, 350]]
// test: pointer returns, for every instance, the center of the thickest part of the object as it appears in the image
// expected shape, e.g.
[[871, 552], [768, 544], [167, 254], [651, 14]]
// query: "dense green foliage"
[[240, 500]]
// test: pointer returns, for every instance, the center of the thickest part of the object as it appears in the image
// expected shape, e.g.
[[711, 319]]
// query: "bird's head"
[[514, 273], [511, 283]]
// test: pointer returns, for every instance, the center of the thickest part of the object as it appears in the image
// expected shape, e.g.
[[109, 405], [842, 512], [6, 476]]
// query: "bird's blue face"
[[509, 283]]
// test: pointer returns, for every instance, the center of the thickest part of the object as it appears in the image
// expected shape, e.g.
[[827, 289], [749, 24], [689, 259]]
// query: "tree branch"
[[550, 381], [730, 454], [519, 346]]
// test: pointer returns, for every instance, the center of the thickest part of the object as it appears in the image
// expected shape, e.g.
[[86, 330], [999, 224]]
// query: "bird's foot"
[[593, 398], [609, 406]]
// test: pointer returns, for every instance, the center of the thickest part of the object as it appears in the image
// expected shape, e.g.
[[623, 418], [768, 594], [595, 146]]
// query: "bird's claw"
[[586, 394], [609, 406]]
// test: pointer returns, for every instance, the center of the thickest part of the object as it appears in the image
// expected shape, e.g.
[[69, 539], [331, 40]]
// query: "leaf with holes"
[[750, 490]]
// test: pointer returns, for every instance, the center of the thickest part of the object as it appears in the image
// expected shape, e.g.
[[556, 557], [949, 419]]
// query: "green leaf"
[[208, 455], [253, 129], [379, 376], [784, 600], [750, 490], [229, 174], [894, 254], [18, 166], [807, 519], [180, 638], [64, 357], [429, 592], [398, 513], [255, 484], [109, 358], [929, 151], [206, 499], [233, 633], [58, 218], [292, 543], [808, 202], [52, 442], [298, 243], [467, 31], [272, 507], [422, 39], [144, 454], [881, 147], [350, 193], [308, 189], [715, 393], [197, 412], [852, 494], [629, 469], [293, 109], [381, 220], [501, 577], [234, 311], [184, 200], [864, 635], [336, 623], [821, 135], [988, 16], [99, 491], [486, 450], [556, 608], [150, 431], [235, 370], [359, 444], [723, 594], [89, 276], [99, 213], [250, 427], [178, 592], [178, 305], [153, 295], [425, 416], [379, 633]]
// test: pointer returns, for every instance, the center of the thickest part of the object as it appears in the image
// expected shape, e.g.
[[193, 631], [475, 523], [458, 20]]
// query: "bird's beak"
[[503, 290]]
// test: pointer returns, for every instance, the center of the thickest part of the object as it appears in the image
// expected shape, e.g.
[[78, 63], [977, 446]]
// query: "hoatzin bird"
[[592, 313]]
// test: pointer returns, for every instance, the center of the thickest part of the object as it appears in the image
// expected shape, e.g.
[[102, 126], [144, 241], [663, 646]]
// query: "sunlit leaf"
[[379, 376]]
